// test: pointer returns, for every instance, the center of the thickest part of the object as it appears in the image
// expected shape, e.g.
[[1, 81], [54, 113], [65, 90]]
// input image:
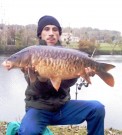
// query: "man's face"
[[50, 34]]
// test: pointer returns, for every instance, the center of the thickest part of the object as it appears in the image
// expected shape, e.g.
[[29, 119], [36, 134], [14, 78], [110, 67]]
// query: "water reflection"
[[111, 58], [13, 85]]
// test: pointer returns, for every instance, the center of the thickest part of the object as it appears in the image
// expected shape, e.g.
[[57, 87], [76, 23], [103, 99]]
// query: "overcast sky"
[[101, 14]]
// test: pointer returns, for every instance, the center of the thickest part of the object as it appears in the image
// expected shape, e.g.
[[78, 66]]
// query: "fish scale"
[[57, 64]]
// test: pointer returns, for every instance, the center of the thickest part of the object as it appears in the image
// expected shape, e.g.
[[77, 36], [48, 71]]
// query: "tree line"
[[106, 36], [19, 36]]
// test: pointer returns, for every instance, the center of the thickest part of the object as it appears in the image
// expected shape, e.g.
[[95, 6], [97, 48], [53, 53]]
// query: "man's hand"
[[89, 71], [41, 79], [33, 74]]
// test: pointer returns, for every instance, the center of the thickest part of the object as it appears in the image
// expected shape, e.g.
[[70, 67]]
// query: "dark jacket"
[[42, 95]]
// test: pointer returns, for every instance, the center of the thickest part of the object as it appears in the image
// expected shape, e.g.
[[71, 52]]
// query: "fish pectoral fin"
[[106, 77], [56, 82], [32, 75]]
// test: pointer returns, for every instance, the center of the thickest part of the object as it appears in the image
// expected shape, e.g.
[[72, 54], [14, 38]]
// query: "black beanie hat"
[[47, 20]]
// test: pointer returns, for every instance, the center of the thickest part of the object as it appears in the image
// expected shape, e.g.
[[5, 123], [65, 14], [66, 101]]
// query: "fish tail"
[[106, 77], [106, 67]]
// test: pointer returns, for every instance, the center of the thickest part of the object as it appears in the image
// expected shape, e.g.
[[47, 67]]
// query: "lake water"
[[13, 85]]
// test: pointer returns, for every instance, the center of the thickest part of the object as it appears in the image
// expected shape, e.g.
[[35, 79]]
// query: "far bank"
[[101, 49]]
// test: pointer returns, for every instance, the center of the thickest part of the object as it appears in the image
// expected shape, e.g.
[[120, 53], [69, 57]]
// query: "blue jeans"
[[73, 112]]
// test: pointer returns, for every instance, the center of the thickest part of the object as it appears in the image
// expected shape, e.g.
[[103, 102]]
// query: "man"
[[45, 106]]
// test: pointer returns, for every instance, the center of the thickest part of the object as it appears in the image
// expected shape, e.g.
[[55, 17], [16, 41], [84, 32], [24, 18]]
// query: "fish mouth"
[[7, 64]]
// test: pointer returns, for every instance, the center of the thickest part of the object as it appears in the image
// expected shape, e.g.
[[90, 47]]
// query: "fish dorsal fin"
[[56, 82]]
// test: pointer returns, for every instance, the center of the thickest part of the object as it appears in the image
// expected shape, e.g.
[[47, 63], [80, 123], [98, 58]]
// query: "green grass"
[[110, 47], [103, 48]]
